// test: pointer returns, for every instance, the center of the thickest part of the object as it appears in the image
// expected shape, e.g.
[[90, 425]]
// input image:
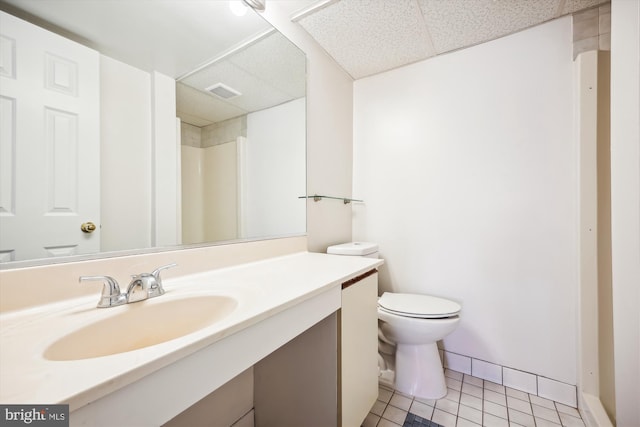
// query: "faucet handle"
[[157, 271], [157, 288], [111, 295]]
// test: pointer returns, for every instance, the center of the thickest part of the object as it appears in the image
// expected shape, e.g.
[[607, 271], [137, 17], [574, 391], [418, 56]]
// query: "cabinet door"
[[359, 350]]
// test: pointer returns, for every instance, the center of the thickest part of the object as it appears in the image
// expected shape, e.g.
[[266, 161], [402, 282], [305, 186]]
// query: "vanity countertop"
[[263, 289]]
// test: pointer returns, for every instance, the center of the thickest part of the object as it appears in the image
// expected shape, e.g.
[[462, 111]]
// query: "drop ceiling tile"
[[224, 72], [200, 109], [277, 62], [454, 24], [195, 121], [266, 73], [369, 36]]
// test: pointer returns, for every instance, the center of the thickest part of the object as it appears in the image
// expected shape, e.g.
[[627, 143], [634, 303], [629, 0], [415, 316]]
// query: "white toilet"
[[414, 323]]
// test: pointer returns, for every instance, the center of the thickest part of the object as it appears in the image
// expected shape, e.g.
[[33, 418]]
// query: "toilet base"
[[419, 371]]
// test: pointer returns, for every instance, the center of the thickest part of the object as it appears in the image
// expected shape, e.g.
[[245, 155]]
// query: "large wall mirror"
[[129, 126]]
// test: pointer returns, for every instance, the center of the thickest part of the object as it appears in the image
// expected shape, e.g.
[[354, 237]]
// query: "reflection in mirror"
[[107, 81], [242, 122]]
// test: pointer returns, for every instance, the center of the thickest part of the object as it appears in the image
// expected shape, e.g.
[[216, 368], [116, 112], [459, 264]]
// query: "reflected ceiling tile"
[[268, 72], [276, 62], [200, 109], [454, 24], [188, 119], [367, 37]]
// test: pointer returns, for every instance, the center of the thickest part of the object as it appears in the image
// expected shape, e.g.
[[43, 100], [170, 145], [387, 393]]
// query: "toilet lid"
[[415, 305]]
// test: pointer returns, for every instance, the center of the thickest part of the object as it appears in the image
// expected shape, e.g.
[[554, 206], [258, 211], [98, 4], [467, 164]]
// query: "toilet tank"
[[365, 249]]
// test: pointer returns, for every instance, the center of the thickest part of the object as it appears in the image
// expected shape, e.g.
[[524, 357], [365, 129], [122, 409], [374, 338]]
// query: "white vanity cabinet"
[[358, 349], [295, 334]]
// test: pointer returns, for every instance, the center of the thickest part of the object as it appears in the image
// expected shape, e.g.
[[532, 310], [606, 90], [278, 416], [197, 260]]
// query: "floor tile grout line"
[[483, 388], [386, 404]]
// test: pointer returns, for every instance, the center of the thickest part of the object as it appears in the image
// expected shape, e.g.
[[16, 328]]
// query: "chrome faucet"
[[111, 295], [141, 287], [146, 285]]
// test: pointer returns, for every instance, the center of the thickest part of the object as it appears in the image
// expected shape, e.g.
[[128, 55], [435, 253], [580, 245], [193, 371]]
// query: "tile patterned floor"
[[471, 402]]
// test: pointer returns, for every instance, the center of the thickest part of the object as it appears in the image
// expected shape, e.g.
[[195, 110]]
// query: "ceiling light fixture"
[[238, 7], [255, 4]]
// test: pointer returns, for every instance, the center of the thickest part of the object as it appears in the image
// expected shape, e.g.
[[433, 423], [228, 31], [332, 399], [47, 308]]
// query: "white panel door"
[[49, 143]]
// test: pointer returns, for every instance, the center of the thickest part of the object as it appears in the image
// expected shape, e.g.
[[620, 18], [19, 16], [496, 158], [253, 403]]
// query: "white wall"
[[125, 104], [329, 134], [625, 204], [209, 193], [165, 162], [220, 195], [467, 166], [273, 171], [137, 116], [249, 187], [192, 194]]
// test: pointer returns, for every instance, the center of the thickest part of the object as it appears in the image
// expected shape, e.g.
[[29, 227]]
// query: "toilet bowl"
[[386, 360], [409, 327], [415, 323]]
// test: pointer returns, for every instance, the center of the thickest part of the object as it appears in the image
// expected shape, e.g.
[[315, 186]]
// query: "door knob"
[[88, 227]]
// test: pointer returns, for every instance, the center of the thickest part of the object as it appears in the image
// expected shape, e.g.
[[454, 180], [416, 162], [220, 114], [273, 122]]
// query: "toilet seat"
[[418, 306]]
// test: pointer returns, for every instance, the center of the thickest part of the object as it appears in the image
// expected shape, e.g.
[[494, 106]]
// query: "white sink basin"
[[141, 325]]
